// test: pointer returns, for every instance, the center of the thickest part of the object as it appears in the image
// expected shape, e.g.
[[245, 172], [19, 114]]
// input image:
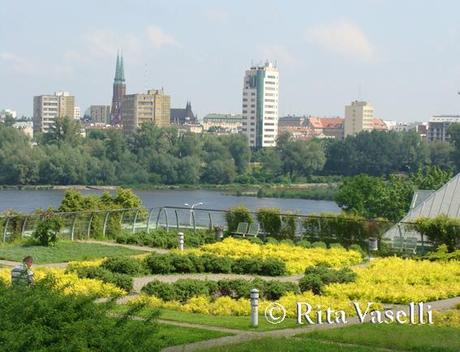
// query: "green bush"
[[270, 221], [247, 265], [255, 240], [235, 215], [47, 230], [317, 276], [304, 243], [159, 264], [357, 248], [335, 245], [288, 226], [216, 264], [122, 281], [124, 265], [442, 254], [161, 290], [272, 267], [41, 318], [271, 240], [318, 244], [440, 230], [236, 288], [183, 263], [273, 290], [288, 242], [187, 288]]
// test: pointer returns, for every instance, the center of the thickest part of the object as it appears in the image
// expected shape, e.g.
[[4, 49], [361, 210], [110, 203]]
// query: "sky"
[[401, 56]]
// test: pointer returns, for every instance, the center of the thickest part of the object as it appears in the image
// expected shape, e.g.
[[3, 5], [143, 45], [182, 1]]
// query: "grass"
[[288, 345], [399, 337], [360, 338], [231, 322], [170, 335], [64, 251]]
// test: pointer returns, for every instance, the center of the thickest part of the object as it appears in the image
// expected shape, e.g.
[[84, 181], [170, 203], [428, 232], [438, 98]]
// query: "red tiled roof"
[[326, 122]]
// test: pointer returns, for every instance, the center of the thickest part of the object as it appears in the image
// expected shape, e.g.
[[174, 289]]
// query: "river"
[[27, 201]]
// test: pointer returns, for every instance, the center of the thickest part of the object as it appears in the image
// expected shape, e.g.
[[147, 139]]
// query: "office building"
[[222, 123], [49, 107], [260, 105], [100, 113], [153, 106], [438, 126], [359, 116]]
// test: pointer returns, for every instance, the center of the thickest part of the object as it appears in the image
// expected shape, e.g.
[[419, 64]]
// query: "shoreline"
[[307, 191]]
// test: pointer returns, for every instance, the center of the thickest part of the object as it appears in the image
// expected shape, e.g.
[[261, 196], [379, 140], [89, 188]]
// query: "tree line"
[[155, 155]]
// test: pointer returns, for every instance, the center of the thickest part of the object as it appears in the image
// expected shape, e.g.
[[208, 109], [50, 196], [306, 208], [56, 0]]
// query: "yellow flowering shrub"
[[84, 264], [296, 258], [396, 280], [70, 283]]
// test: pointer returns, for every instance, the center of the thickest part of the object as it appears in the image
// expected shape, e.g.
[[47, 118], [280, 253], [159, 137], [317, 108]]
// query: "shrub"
[[47, 230], [440, 230], [256, 240], [288, 242], [247, 265], [161, 290], [56, 322], [273, 290], [273, 267], [288, 226], [216, 264], [270, 221], [183, 263], [159, 264], [236, 215], [271, 240], [122, 281], [357, 248], [186, 288], [317, 276], [336, 245], [318, 244], [124, 265], [235, 288], [304, 243]]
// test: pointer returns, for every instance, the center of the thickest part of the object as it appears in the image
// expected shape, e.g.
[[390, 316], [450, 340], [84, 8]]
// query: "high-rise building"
[[260, 105], [48, 107], [359, 116], [76, 113], [100, 113], [438, 126], [119, 91], [153, 106]]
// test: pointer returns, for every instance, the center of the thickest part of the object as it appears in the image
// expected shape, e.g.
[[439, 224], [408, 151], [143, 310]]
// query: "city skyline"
[[403, 62]]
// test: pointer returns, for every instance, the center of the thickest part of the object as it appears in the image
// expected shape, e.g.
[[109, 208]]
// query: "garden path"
[[245, 336]]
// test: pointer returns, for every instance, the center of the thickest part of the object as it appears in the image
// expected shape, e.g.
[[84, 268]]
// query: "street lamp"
[[191, 210]]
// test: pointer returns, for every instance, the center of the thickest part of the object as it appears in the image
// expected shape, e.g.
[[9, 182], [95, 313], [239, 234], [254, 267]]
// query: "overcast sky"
[[402, 56]]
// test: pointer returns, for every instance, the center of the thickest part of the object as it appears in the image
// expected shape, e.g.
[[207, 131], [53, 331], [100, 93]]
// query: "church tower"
[[119, 90]]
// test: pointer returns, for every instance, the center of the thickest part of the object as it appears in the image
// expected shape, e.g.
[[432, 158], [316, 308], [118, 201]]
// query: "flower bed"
[[296, 258], [70, 283], [396, 280]]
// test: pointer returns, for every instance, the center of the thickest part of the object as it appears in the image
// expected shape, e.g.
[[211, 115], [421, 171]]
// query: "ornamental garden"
[[139, 291]]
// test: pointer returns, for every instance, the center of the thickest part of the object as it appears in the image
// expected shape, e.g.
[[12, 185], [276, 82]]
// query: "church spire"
[[119, 69]]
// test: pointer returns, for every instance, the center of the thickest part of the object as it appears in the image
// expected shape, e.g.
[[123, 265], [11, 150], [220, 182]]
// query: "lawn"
[[170, 335], [64, 251], [231, 322], [360, 338]]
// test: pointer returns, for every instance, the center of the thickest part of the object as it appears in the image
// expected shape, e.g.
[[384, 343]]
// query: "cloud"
[[17, 63], [342, 37], [159, 38], [279, 53]]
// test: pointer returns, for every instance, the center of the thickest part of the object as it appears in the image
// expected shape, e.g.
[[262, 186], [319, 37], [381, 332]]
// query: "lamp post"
[[191, 210]]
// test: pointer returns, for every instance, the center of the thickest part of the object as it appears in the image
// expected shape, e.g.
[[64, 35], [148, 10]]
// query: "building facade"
[[77, 113], [183, 116], [49, 107], [222, 123], [119, 91], [359, 116], [100, 113], [260, 105], [438, 125], [326, 127], [153, 106]]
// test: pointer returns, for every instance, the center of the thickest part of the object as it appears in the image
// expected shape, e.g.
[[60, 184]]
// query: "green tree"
[[63, 130]]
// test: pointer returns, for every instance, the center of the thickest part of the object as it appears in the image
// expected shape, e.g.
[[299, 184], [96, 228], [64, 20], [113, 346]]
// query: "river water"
[[27, 201]]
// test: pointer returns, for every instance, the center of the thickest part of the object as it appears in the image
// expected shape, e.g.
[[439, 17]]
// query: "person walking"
[[21, 274]]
